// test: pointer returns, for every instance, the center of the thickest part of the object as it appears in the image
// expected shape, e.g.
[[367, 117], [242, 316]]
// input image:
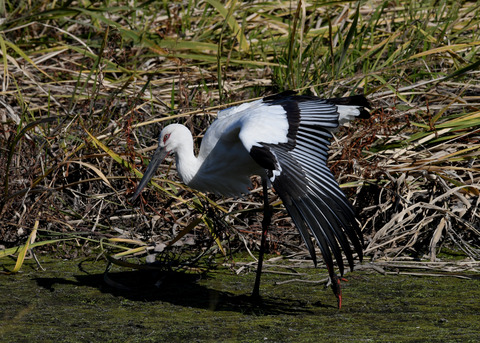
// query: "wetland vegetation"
[[87, 86]]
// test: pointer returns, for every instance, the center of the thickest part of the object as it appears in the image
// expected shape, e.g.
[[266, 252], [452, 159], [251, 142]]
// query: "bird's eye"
[[167, 136]]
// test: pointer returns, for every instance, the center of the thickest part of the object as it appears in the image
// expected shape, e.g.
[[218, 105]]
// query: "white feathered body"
[[284, 138]]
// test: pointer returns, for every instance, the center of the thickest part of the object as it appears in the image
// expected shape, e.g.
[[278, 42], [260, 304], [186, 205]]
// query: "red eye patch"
[[167, 136]]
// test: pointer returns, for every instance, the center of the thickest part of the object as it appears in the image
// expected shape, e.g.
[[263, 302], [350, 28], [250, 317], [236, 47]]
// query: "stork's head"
[[171, 139]]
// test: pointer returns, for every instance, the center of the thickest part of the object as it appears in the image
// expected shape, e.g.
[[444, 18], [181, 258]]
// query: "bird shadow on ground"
[[180, 289]]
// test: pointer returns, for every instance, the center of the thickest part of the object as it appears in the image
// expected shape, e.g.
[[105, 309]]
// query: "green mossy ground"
[[70, 302]]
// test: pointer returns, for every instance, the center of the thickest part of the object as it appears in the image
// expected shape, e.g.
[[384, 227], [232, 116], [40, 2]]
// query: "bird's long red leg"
[[336, 286], [267, 217]]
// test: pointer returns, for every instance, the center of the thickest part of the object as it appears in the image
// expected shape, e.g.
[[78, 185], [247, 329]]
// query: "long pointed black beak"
[[156, 160]]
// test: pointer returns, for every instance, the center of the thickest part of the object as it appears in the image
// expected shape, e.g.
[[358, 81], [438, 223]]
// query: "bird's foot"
[[337, 287]]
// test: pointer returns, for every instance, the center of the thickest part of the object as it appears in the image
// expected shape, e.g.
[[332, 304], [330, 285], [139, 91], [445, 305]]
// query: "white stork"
[[284, 138]]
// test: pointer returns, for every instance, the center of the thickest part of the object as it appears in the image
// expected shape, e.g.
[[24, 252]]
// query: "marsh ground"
[[70, 302]]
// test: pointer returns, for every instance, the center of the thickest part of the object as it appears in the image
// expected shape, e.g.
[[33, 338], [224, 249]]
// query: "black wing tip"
[[364, 114], [354, 100], [360, 101]]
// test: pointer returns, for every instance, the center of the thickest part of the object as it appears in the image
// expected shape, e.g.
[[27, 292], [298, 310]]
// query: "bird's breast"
[[226, 170]]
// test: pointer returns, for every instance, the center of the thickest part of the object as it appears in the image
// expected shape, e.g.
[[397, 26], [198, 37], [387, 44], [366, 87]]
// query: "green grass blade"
[[237, 31], [348, 40]]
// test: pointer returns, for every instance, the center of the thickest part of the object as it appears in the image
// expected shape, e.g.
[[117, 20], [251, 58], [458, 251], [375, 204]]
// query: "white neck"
[[187, 163]]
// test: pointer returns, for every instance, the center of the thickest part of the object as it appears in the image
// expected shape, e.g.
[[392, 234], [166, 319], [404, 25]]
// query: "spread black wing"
[[299, 173]]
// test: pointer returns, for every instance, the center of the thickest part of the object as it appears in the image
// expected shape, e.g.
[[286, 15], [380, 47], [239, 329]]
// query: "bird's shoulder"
[[250, 122]]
